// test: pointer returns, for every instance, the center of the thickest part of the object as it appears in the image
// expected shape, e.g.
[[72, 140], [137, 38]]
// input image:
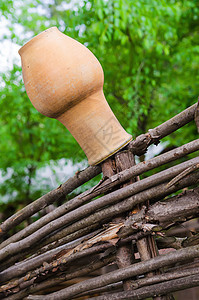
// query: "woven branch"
[[48, 249], [138, 146], [172, 208], [121, 274], [123, 206]]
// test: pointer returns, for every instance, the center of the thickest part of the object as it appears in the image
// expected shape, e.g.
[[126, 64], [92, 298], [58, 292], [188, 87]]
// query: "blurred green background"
[[149, 51]]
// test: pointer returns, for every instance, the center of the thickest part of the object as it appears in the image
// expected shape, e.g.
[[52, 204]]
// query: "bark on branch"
[[138, 146], [121, 230], [141, 143], [66, 188], [122, 274], [146, 281], [176, 209], [89, 208], [128, 204], [105, 186], [150, 291]]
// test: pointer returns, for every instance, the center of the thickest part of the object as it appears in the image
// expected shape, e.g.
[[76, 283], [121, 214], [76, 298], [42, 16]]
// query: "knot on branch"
[[138, 222], [140, 144]]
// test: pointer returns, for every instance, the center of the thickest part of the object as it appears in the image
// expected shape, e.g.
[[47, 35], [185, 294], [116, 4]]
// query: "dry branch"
[[150, 291], [141, 143], [115, 231], [66, 188], [109, 288], [147, 281], [163, 214], [176, 209], [25, 286], [93, 206], [81, 178], [122, 274], [57, 264], [128, 204]]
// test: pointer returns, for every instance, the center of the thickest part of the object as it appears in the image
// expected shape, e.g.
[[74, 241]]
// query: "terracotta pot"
[[64, 80]]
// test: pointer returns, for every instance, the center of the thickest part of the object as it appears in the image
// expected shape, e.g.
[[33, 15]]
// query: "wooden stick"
[[138, 147], [107, 213], [66, 188], [150, 291], [141, 143], [122, 160], [125, 253], [105, 186], [121, 274], [26, 286], [147, 281]]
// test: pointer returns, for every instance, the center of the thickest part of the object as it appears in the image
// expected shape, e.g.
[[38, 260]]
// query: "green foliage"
[[28, 140], [149, 53]]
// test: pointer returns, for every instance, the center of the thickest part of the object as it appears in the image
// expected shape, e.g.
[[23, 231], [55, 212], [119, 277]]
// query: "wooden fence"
[[125, 243]]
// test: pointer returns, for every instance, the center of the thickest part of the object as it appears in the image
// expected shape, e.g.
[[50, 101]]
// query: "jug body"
[[64, 80]]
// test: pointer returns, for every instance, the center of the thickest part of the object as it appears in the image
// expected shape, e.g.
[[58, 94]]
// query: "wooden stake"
[[124, 254]]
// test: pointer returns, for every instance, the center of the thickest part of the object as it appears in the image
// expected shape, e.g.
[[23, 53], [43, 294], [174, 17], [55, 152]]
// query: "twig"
[[104, 187], [29, 286], [49, 198], [121, 274], [183, 174], [18, 270], [147, 281], [109, 288], [55, 264], [141, 143], [150, 291], [91, 207]]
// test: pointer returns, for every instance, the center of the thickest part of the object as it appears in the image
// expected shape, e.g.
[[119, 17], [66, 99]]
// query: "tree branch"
[[89, 208], [153, 136], [26, 286], [66, 188], [150, 291], [104, 187], [121, 274], [138, 147]]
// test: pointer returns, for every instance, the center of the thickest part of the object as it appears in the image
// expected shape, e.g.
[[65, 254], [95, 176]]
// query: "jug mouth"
[[51, 29]]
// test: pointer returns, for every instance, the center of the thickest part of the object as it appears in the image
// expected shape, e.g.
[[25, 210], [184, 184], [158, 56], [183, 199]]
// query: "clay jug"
[[64, 80]]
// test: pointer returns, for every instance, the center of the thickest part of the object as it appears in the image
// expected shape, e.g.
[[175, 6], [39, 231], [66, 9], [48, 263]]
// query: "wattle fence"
[[121, 239]]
